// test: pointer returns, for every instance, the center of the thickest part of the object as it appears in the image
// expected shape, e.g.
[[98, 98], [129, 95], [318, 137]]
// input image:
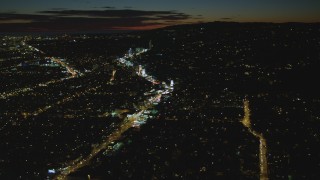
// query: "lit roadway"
[[126, 124], [19, 91], [78, 163], [246, 121], [63, 64], [60, 102], [65, 99]]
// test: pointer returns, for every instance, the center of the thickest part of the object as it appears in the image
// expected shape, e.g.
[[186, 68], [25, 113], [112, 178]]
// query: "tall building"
[[139, 70], [130, 52], [143, 73], [150, 44]]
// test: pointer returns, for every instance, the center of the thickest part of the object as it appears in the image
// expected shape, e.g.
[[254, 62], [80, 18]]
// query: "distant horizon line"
[[111, 31]]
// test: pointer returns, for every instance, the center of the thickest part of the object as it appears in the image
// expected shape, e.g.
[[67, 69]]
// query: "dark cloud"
[[173, 17], [108, 7], [58, 9], [105, 7], [75, 24], [32, 17], [111, 13], [226, 18], [89, 20]]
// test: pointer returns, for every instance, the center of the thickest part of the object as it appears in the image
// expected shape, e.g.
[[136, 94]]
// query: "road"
[[78, 163], [65, 99], [19, 91], [128, 122], [246, 121], [65, 65]]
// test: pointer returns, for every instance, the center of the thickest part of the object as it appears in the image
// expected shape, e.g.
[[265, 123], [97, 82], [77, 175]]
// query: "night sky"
[[105, 15]]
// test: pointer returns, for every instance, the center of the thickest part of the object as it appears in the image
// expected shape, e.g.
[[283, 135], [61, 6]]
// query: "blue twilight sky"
[[59, 15]]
